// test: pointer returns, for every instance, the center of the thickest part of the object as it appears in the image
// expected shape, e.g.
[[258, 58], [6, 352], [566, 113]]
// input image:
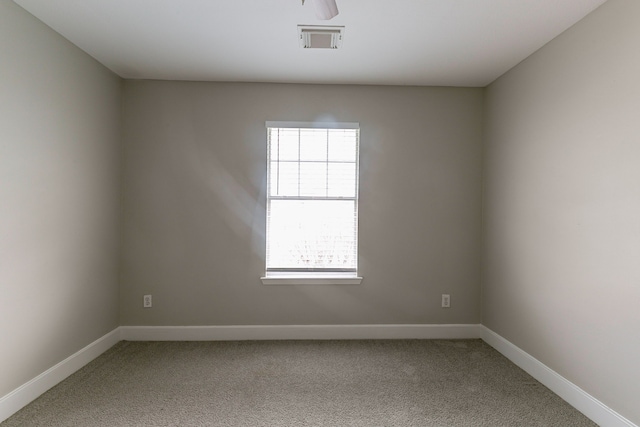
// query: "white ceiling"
[[394, 42]]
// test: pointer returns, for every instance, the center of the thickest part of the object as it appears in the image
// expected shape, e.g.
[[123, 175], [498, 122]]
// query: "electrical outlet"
[[446, 300], [146, 301]]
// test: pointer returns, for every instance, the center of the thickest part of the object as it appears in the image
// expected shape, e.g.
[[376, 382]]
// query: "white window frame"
[[311, 278]]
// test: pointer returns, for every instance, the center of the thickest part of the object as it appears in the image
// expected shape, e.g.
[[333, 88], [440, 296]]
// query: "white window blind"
[[312, 198]]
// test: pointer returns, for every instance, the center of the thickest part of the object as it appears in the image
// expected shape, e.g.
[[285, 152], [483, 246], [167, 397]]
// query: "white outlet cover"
[[446, 300]]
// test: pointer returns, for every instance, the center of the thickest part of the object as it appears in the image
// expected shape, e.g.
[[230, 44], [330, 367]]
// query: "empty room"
[[320, 213]]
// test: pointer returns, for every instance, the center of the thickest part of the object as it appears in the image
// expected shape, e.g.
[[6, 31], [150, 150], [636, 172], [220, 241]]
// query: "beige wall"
[[59, 198], [561, 270], [194, 204]]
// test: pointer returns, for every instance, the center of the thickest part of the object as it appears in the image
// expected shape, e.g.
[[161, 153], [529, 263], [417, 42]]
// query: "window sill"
[[311, 280]]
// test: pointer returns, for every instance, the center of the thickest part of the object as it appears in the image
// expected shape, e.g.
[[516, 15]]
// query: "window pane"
[[284, 179], [342, 180], [273, 144], [311, 234], [313, 179], [342, 145], [273, 179], [286, 144], [313, 144]]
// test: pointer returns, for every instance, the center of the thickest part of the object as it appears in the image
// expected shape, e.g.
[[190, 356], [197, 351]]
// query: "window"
[[312, 203]]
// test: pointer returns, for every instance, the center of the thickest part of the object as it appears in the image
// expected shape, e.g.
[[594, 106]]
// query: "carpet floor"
[[365, 383]]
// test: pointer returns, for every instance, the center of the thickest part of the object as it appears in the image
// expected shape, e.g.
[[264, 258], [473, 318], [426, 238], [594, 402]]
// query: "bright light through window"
[[312, 198]]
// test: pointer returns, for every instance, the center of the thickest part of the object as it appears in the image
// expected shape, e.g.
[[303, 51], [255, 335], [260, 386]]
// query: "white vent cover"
[[317, 37]]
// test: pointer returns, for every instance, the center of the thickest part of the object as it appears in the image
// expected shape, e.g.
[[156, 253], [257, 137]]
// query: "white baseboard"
[[26, 393], [297, 332], [597, 411]]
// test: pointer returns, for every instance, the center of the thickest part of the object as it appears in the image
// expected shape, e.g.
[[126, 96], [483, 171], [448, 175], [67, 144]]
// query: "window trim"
[[324, 279], [313, 125], [314, 277]]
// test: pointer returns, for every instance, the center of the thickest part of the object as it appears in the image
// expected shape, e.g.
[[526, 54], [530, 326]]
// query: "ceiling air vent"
[[317, 37]]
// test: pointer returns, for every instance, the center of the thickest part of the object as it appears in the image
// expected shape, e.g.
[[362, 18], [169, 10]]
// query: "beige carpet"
[[300, 383]]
